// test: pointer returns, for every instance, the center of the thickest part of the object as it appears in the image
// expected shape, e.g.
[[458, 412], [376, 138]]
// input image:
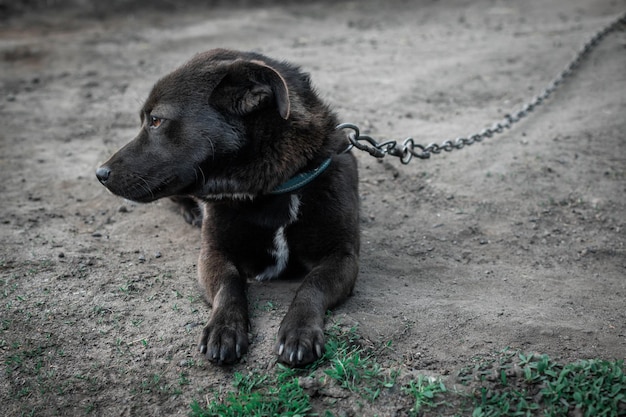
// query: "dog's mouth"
[[161, 190], [143, 191]]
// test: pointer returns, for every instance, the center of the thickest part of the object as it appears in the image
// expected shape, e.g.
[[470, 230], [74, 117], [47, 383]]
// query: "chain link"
[[409, 149]]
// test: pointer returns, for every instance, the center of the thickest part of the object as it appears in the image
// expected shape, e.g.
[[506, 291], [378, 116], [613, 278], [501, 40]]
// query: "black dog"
[[247, 138]]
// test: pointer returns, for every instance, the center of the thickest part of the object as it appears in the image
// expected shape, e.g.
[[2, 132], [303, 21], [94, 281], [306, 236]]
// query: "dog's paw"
[[224, 343], [299, 346]]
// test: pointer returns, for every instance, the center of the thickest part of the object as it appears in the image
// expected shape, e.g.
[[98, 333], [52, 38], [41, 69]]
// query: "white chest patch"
[[280, 251]]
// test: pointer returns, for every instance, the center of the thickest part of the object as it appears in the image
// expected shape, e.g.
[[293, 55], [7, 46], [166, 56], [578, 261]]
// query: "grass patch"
[[354, 367], [258, 395], [509, 383], [424, 391], [516, 384]]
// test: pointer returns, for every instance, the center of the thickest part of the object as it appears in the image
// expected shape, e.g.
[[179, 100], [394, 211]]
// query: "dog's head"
[[225, 124]]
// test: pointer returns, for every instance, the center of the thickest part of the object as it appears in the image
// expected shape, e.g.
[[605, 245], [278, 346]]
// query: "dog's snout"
[[103, 173]]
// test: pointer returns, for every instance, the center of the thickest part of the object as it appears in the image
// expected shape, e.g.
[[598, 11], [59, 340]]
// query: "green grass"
[[508, 383], [258, 395], [525, 385], [354, 367], [424, 391], [593, 387]]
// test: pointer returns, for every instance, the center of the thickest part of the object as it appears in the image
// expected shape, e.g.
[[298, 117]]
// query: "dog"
[[246, 147]]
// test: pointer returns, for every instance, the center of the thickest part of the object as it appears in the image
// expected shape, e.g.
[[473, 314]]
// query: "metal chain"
[[409, 149]]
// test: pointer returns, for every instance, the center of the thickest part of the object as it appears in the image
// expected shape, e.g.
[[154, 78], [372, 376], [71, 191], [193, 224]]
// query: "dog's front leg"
[[225, 337], [301, 335]]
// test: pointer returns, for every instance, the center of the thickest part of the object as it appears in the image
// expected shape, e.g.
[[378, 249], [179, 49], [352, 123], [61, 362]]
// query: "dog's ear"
[[251, 85]]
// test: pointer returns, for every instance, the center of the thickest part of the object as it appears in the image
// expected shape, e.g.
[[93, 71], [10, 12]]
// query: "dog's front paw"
[[224, 342], [299, 346]]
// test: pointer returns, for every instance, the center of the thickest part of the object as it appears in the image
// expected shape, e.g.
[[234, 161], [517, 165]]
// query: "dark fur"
[[225, 129]]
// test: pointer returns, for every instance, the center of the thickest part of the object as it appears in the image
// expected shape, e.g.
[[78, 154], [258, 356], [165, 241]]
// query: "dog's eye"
[[155, 122]]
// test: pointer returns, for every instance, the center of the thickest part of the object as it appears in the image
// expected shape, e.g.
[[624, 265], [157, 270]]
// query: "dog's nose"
[[103, 174]]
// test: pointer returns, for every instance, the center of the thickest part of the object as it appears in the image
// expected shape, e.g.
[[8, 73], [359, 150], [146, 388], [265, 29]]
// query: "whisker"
[[202, 172], [147, 185], [212, 149]]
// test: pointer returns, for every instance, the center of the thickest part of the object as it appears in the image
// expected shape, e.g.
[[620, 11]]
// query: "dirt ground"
[[515, 242]]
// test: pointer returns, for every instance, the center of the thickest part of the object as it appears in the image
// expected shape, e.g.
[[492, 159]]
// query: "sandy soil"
[[515, 242]]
